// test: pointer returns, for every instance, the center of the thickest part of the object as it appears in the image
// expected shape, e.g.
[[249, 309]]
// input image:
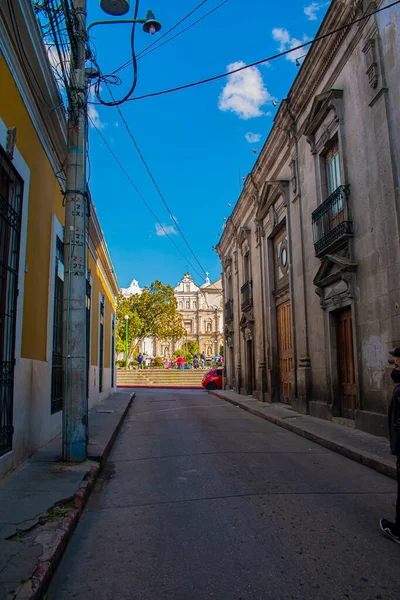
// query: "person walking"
[[393, 529], [202, 359], [181, 362], [140, 360], [196, 362]]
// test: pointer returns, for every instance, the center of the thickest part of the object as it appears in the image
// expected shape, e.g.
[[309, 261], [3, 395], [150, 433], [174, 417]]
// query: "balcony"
[[247, 297], [228, 311], [330, 221]]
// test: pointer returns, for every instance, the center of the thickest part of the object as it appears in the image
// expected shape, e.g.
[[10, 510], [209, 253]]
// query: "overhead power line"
[[142, 55], [155, 183], [142, 197], [263, 60], [128, 62]]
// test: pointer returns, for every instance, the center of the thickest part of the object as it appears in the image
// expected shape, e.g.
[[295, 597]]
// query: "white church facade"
[[201, 308]]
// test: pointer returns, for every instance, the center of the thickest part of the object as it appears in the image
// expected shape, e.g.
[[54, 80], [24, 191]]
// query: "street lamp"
[[150, 24], [126, 342]]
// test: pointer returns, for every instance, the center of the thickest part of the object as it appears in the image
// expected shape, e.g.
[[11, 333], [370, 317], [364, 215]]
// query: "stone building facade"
[[311, 252], [201, 308]]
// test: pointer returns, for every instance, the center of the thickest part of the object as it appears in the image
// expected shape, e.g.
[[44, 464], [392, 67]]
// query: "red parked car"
[[213, 380]]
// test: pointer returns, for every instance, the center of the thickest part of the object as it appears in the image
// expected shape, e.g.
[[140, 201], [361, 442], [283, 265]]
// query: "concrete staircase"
[[161, 378]]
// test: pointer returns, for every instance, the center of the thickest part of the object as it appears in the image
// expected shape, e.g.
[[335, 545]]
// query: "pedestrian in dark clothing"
[[196, 362], [393, 529], [203, 360], [140, 360]]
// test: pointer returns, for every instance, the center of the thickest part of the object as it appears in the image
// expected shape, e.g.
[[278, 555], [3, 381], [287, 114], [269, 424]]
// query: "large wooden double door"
[[285, 351], [283, 317], [345, 360]]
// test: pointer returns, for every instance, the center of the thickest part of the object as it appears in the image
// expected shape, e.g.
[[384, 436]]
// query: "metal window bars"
[[331, 222]]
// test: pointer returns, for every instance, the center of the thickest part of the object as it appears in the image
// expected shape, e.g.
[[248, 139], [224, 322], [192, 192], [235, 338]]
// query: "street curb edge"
[[347, 451], [36, 586]]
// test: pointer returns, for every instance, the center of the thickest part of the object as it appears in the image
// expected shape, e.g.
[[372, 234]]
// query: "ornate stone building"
[[202, 313], [311, 252], [202, 316]]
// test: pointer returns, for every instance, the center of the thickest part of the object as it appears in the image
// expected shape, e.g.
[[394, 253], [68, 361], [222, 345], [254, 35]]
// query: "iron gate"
[[88, 309], [101, 342], [112, 350], [11, 188], [57, 371]]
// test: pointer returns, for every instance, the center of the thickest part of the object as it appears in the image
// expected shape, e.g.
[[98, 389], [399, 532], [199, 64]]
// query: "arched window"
[[208, 327], [194, 305], [187, 303], [209, 350], [180, 304]]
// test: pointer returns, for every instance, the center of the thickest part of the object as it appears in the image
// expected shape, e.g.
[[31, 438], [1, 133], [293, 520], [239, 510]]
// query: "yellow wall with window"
[[44, 200], [100, 287]]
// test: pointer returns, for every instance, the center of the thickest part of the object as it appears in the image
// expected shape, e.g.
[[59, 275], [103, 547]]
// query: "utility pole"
[[75, 415]]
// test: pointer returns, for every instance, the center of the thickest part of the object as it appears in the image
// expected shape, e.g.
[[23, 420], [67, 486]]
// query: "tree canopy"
[[153, 313]]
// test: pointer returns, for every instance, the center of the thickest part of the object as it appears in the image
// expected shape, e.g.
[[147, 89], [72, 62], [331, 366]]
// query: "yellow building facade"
[[32, 156]]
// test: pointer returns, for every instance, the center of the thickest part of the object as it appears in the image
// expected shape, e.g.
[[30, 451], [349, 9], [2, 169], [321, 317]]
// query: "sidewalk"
[[369, 450], [42, 500]]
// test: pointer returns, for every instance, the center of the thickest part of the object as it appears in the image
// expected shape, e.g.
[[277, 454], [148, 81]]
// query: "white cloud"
[[311, 10], [165, 229], [94, 117], [252, 137], [244, 93], [116, 123], [286, 42]]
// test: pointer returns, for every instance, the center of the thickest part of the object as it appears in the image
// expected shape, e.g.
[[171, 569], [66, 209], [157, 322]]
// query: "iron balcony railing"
[[247, 297], [330, 221], [228, 311]]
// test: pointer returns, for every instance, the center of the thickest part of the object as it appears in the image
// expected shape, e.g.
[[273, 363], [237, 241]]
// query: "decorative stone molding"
[[335, 281], [331, 100], [369, 51], [247, 326]]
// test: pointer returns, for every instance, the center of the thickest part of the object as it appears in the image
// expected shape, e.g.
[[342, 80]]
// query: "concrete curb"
[[35, 588], [363, 458]]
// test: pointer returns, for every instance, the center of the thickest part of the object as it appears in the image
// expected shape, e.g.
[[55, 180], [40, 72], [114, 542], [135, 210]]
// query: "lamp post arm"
[[112, 22]]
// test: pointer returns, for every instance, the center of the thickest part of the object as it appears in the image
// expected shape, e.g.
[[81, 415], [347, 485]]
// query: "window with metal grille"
[[88, 301], [57, 372], [112, 350], [11, 189], [101, 344]]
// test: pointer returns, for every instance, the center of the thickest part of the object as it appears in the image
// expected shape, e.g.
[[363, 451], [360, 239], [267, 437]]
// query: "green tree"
[[192, 349], [153, 313]]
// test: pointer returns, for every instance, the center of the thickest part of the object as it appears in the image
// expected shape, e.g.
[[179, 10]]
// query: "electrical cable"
[[128, 62], [155, 184], [135, 70], [263, 60], [141, 196], [142, 55]]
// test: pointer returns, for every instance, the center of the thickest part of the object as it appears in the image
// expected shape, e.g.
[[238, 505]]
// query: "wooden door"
[[285, 351], [250, 367], [346, 374]]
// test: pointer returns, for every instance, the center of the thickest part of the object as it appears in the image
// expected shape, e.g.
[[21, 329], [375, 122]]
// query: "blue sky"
[[193, 140]]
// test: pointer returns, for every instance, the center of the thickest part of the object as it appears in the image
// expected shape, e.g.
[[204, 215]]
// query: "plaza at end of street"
[[41, 503]]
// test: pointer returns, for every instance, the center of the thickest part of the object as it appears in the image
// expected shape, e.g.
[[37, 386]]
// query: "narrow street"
[[200, 500]]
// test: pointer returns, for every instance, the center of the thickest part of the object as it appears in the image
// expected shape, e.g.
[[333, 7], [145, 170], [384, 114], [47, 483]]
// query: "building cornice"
[[278, 147], [47, 115]]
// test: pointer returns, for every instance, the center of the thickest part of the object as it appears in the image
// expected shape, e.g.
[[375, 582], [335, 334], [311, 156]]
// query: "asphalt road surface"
[[201, 500]]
